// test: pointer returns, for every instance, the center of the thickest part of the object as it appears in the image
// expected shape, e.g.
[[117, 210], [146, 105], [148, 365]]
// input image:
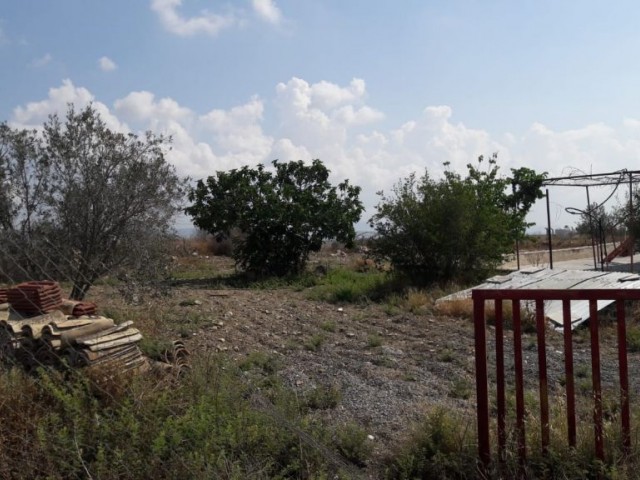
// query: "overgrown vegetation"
[[457, 227], [79, 200], [282, 215], [208, 426], [342, 285]]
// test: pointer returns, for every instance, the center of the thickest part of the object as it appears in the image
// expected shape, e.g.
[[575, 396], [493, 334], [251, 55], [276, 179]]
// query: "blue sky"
[[376, 89]]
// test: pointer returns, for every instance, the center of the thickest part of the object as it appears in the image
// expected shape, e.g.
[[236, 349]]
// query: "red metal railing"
[[482, 391]]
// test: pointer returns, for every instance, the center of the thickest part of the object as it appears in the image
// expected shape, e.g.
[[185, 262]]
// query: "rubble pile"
[[40, 328]]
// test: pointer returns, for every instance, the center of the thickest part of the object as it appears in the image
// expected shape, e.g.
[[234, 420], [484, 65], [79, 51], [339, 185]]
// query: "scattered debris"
[[40, 328]]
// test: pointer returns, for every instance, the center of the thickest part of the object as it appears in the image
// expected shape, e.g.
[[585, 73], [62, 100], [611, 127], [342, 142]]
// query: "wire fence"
[[79, 454]]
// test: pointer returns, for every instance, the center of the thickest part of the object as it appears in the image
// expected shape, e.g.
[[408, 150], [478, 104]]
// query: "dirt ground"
[[389, 365]]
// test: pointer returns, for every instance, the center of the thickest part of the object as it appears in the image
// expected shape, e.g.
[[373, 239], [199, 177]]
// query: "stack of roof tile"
[[3, 295], [84, 308], [111, 347], [38, 327], [78, 309], [35, 298]]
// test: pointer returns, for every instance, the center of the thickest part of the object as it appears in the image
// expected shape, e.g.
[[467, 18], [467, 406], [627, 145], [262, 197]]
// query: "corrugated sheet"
[[539, 278]]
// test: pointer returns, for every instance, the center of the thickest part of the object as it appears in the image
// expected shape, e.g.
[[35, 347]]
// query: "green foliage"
[[353, 443], [323, 397], [461, 388], [457, 227], [207, 426], [282, 215], [374, 340], [633, 338], [79, 200], [343, 285], [441, 446], [314, 342]]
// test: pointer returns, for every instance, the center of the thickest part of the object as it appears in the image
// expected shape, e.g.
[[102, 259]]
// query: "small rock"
[[222, 340], [190, 303], [229, 314], [351, 334], [220, 323], [236, 349], [341, 309], [371, 437]]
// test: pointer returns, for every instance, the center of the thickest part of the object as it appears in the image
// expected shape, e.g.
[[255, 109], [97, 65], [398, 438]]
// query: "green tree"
[[84, 200], [282, 215], [457, 227]]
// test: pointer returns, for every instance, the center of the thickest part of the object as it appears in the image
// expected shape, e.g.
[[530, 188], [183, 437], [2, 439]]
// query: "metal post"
[[482, 391], [568, 372], [515, 208], [631, 220], [542, 375], [549, 232], [593, 245], [596, 379]]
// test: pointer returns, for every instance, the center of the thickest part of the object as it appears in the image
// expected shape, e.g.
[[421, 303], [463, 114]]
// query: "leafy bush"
[[352, 441], [83, 201], [441, 446], [454, 228], [283, 215]]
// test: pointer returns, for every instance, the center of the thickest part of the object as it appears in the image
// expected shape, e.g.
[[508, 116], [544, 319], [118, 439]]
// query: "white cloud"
[[106, 64], [267, 10], [337, 124], [206, 23], [34, 114], [42, 61]]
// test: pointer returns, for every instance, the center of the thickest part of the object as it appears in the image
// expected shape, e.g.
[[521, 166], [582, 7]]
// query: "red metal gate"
[[480, 296]]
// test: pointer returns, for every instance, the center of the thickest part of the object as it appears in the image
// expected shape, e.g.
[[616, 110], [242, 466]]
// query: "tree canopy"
[[282, 215], [79, 200], [456, 227]]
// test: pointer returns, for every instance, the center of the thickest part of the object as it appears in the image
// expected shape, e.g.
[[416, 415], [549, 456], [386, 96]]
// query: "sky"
[[375, 89]]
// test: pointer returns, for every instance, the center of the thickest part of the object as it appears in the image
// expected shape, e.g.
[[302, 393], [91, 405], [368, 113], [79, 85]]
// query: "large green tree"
[[79, 200], [455, 227], [283, 214]]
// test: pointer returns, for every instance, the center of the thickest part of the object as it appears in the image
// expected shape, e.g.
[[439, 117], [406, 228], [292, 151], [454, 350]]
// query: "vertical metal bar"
[[515, 209], [595, 376], [631, 218], [549, 232], [624, 376], [593, 243], [519, 374], [501, 403], [482, 394], [568, 372], [542, 375]]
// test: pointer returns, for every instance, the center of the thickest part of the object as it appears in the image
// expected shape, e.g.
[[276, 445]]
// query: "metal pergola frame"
[[588, 180]]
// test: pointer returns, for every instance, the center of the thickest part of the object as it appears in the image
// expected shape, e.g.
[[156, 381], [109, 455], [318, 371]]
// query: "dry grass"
[[463, 308]]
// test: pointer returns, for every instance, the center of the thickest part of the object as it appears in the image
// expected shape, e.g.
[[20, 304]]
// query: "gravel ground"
[[388, 366]]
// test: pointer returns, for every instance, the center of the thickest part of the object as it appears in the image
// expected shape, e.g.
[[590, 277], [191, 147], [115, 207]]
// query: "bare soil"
[[390, 366]]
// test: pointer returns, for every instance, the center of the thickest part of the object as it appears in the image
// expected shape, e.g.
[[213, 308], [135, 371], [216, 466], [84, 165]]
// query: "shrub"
[[453, 228], [441, 446], [342, 285], [352, 442], [283, 216]]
